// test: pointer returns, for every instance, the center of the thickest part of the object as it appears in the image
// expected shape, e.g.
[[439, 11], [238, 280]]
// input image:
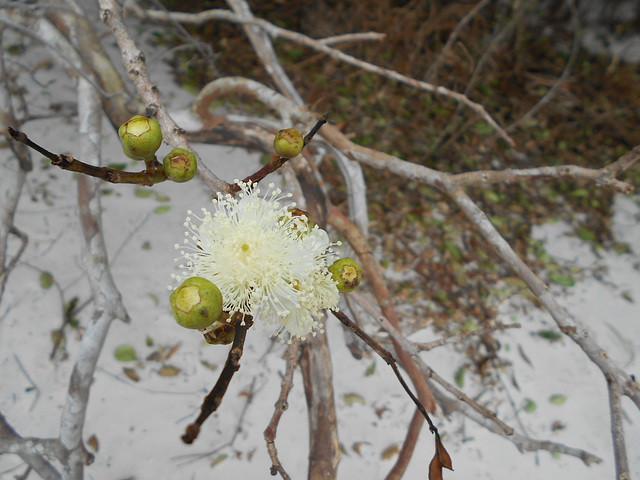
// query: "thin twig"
[[561, 81], [432, 72], [266, 52], [237, 430], [292, 358], [317, 377], [212, 401], [107, 300], [277, 161], [11, 196], [425, 347], [275, 32], [154, 173], [386, 356], [472, 409]]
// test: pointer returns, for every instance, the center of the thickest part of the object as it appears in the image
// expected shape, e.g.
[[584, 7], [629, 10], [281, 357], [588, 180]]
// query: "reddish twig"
[[212, 401], [277, 161], [387, 357], [154, 173]]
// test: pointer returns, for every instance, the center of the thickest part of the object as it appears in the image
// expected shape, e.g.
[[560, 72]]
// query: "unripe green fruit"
[[288, 143], [180, 165], [347, 274], [196, 304], [141, 137]]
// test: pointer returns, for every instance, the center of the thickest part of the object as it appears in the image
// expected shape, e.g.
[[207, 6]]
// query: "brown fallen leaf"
[[390, 451], [93, 443], [168, 371], [131, 373], [440, 459]]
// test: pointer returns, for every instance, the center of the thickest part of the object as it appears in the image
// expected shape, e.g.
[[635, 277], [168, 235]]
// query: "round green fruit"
[[288, 143], [347, 274], [141, 138], [180, 165], [196, 304]]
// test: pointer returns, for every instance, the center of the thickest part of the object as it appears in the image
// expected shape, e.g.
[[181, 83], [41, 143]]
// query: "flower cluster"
[[267, 263]]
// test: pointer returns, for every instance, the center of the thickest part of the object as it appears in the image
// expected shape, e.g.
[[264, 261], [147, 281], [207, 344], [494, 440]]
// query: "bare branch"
[[617, 430], [25, 448], [432, 73], [212, 401], [473, 409], [324, 451], [13, 185], [292, 358], [320, 46], [107, 300]]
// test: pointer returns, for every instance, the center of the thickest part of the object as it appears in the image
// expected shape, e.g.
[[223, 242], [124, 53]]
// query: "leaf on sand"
[[46, 280], [219, 459], [125, 353], [93, 443], [562, 279], [168, 371], [132, 374], [351, 398], [440, 459], [390, 451]]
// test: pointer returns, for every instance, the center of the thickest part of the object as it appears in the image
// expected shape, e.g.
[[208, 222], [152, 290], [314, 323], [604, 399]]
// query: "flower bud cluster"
[[141, 138]]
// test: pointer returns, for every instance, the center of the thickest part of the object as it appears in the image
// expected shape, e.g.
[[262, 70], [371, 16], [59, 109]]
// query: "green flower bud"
[[196, 304], [288, 143], [141, 138], [180, 165], [347, 274], [221, 332]]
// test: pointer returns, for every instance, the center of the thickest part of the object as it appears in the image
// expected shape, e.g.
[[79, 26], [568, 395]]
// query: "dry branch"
[[213, 400], [292, 358], [470, 407], [321, 46], [317, 374], [13, 186], [107, 300]]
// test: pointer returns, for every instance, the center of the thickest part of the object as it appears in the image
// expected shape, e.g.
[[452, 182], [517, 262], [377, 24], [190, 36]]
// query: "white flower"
[[266, 262]]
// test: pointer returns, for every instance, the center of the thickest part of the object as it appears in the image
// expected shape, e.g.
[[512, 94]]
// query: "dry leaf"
[[168, 371], [171, 351], [219, 460], [208, 365], [380, 411], [357, 446], [93, 443], [390, 451], [351, 398], [440, 459], [131, 373]]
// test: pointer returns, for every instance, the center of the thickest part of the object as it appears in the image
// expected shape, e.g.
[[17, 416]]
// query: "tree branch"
[[213, 400], [292, 358]]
